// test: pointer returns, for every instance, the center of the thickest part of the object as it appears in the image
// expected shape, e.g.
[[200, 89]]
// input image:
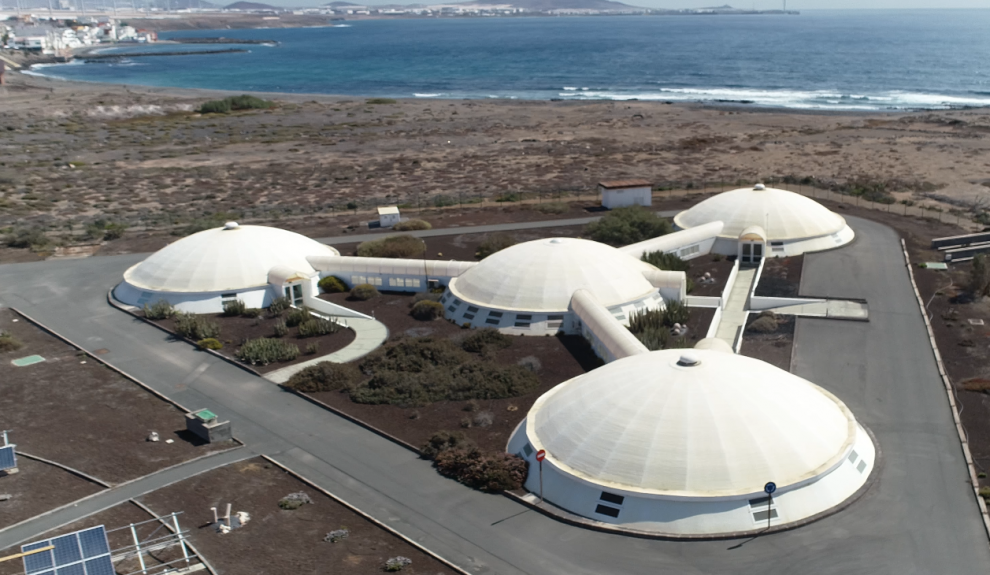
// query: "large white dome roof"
[[229, 258], [542, 275], [783, 215], [726, 426]]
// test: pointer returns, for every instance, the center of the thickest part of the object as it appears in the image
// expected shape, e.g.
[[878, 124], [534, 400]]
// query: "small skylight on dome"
[[759, 187], [688, 359], [231, 226]]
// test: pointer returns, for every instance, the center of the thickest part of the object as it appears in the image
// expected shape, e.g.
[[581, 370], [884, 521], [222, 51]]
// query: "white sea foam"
[[427, 95]]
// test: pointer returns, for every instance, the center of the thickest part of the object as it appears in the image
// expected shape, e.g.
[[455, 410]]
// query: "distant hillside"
[[250, 6], [341, 4], [543, 5]]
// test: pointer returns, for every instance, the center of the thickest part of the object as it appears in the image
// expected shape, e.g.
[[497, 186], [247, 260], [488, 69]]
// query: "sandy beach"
[[72, 153]]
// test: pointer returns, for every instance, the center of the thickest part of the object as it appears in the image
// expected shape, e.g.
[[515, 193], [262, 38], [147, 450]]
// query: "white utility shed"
[[388, 216], [622, 193]]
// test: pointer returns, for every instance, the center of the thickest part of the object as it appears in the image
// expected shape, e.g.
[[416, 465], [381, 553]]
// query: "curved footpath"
[[920, 517]]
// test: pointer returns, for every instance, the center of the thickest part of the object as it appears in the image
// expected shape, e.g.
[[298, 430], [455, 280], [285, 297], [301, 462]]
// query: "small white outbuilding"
[[622, 193], [683, 443], [388, 216]]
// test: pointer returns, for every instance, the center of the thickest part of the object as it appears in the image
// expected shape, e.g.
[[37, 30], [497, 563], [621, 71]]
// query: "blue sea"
[[825, 60]]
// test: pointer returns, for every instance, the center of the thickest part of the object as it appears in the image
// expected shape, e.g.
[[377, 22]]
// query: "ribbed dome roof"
[[542, 275], [783, 215], [653, 423], [229, 258]]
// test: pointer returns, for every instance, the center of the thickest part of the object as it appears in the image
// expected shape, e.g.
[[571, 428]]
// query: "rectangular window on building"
[[612, 498], [491, 321], [394, 282], [451, 308], [761, 516], [457, 301], [524, 317], [494, 314], [228, 296], [357, 280], [415, 283], [606, 510], [555, 318], [469, 316], [472, 309], [522, 324]]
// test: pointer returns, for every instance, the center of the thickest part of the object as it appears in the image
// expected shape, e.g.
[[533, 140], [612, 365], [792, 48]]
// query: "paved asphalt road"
[[918, 518]]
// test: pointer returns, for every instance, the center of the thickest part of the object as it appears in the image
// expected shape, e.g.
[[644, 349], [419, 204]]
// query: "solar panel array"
[[8, 460], [84, 552]]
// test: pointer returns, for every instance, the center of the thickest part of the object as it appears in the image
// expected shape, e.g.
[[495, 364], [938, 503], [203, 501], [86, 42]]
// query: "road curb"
[[951, 394], [71, 470], [368, 517]]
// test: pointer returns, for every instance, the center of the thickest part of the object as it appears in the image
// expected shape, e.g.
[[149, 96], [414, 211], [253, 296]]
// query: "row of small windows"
[[690, 250], [372, 280], [402, 282], [608, 510]]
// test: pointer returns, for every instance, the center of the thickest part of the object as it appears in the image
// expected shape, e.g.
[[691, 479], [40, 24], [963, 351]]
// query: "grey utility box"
[[208, 426]]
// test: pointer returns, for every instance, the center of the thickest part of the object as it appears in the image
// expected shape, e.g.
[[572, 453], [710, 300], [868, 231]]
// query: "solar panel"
[[84, 552], [8, 459]]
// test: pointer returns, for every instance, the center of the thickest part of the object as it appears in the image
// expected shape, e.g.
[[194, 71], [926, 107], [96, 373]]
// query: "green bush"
[[108, 231], [232, 103], [623, 226], [553, 208], [161, 309], [402, 246], [653, 338], [364, 292], [763, 324], [486, 337], [979, 276], [234, 308], [317, 326], [427, 310], [33, 238], [332, 284], [666, 261], [209, 343], [196, 327], [297, 316], [325, 376], [411, 225], [9, 343], [444, 440], [279, 305], [253, 312], [263, 351], [491, 472], [281, 330], [419, 371], [493, 243], [312, 348], [675, 312]]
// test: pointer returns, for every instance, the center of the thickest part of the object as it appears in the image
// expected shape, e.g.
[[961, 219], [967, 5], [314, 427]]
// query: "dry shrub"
[[976, 384], [427, 310], [488, 337], [763, 324], [392, 247], [325, 376], [364, 292], [411, 225]]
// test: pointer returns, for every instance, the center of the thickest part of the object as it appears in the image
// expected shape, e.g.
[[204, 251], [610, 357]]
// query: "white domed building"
[[683, 442], [527, 288], [763, 222], [196, 274]]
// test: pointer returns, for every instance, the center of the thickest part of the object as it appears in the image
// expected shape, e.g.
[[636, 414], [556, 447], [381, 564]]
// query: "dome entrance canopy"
[[721, 427], [230, 258], [783, 215], [542, 276]]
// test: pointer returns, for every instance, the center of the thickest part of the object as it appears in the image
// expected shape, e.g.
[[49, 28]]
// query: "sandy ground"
[[73, 153]]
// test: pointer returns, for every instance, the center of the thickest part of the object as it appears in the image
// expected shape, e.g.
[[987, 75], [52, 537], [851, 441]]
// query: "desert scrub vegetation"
[[486, 338], [493, 243], [401, 246], [325, 376], [426, 310], [624, 226], [196, 327], [209, 343], [665, 261], [235, 103], [234, 308], [161, 309], [552, 208], [766, 322], [457, 457], [364, 292], [263, 351], [33, 238], [652, 326], [332, 284], [412, 225], [417, 372], [317, 326], [9, 343]]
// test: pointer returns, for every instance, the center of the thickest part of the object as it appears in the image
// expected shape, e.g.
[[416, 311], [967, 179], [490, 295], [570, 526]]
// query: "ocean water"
[[839, 60]]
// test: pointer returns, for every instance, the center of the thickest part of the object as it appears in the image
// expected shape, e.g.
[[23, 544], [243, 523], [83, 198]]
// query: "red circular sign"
[[541, 455]]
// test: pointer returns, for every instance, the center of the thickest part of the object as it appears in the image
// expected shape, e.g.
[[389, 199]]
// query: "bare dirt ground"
[[37, 488], [781, 277], [773, 348], [277, 541], [75, 153], [76, 412]]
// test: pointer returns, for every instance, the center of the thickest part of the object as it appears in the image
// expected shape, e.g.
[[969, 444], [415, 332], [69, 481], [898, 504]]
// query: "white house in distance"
[[388, 216], [621, 193]]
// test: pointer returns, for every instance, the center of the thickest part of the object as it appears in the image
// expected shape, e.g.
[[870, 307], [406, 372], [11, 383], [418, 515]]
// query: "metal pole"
[[182, 541], [769, 503], [541, 482], [137, 547]]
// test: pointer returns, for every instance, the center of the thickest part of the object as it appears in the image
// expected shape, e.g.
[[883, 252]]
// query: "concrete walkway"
[[370, 334], [734, 314], [34, 527], [831, 309]]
